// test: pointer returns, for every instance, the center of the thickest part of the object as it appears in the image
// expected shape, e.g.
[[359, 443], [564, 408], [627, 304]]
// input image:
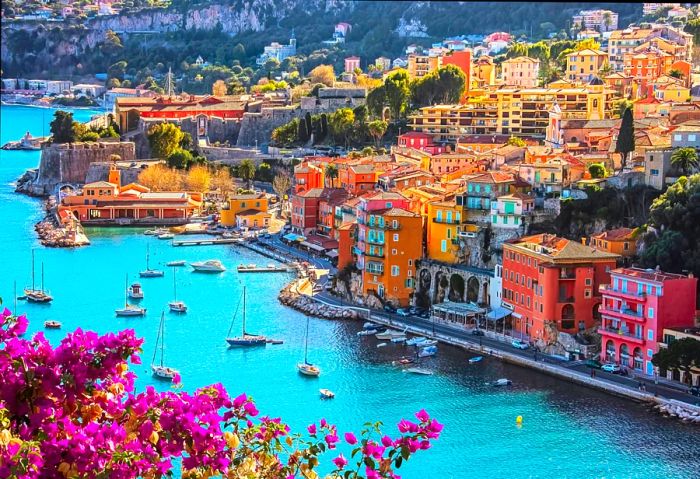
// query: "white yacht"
[[209, 266]]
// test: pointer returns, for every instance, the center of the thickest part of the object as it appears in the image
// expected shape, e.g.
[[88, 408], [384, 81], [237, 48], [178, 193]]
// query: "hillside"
[[185, 30]]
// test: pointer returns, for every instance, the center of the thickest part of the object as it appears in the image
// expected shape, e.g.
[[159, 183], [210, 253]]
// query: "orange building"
[[645, 67], [553, 282], [463, 60], [109, 203], [619, 241], [307, 176], [359, 178], [346, 240]]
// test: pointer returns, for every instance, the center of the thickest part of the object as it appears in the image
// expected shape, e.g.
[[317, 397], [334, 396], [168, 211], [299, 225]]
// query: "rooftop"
[[559, 249], [614, 235], [649, 274]]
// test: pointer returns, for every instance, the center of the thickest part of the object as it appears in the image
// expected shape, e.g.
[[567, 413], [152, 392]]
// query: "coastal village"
[[466, 211]]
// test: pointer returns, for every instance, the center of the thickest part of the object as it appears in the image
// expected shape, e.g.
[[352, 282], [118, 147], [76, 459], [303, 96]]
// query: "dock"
[[206, 241], [262, 269]]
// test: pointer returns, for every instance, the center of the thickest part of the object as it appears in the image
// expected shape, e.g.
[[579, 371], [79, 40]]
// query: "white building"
[[86, 89], [278, 51], [57, 87], [495, 287], [521, 71], [509, 211], [601, 20]]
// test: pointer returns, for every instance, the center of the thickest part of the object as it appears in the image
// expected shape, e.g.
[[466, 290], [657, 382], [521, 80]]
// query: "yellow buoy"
[[519, 420]]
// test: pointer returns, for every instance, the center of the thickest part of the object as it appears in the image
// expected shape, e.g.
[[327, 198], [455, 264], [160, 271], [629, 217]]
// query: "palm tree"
[[331, 173], [685, 159], [246, 171]]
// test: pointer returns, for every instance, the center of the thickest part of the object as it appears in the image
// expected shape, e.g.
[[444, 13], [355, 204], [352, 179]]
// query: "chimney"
[[583, 240]]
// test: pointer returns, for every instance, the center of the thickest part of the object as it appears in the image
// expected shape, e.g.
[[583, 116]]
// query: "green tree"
[[164, 139], [675, 73], [264, 172], [246, 171], [605, 70], [376, 99], [625, 138], [281, 184], [377, 129], [62, 127], [302, 132], [340, 123], [444, 85], [331, 173], [286, 135], [682, 354], [597, 170], [685, 160], [180, 159], [516, 141], [396, 88], [112, 43], [623, 105]]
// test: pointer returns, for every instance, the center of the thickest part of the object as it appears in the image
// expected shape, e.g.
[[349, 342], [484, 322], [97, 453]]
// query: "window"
[[388, 204], [690, 137], [650, 334], [677, 137], [588, 281], [393, 251], [654, 172], [650, 312], [443, 246], [410, 262], [650, 353], [587, 293], [396, 236], [394, 270]]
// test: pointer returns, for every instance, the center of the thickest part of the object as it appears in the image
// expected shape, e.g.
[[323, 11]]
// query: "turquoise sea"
[[568, 431]]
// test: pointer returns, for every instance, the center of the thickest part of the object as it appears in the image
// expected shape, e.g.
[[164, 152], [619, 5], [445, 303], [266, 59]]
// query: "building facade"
[[521, 71]]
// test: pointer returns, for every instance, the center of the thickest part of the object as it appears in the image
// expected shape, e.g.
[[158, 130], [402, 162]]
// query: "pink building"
[[351, 63], [636, 307], [420, 141]]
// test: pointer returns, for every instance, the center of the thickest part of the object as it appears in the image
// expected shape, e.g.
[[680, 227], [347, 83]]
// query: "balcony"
[[374, 255], [445, 221], [565, 274], [622, 313], [608, 289], [618, 332], [566, 299], [373, 240]]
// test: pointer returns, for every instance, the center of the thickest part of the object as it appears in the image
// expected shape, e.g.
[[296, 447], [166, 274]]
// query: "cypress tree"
[[324, 126], [307, 119], [302, 132], [625, 139]]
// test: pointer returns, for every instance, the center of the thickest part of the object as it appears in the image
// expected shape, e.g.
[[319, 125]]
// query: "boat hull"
[[130, 312], [162, 372], [308, 370], [177, 307], [152, 273], [245, 343]]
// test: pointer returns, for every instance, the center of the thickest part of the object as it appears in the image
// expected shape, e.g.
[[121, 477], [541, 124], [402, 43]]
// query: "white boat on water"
[[245, 339], [34, 295], [381, 345], [429, 351], [209, 266], [179, 262], [148, 272], [306, 368], [135, 291], [175, 305], [156, 232], [426, 342], [326, 394], [415, 341], [129, 309], [166, 236], [367, 332], [398, 339], [502, 382], [475, 359], [161, 370], [390, 334], [425, 372], [369, 325]]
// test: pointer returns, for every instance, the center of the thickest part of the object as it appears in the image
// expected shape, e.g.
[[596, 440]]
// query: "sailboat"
[[129, 309], [306, 368], [175, 305], [245, 339], [150, 273], [37, 295], [161, 370]]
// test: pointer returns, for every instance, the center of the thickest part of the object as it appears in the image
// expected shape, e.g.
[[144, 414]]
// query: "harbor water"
[[567, 432]]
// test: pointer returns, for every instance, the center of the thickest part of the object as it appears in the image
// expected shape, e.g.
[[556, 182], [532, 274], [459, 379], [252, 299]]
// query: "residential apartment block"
[[521, 71], [600, 20]]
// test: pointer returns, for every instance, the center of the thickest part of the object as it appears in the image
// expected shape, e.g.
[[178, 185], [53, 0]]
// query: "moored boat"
[[381, 345], [425, 372], [245, 339], [135, 291], [398, 339], [429, 351], [367, 332], [326, 394], [34, 295], [166, 236], [306, 368], [161, 370], [129, 309], [415, 341], [426, 342], [390, 334], [475, 359], [175, 305], [148, 272], [51, 324], [179, 262], [209, 266], [502, 382]]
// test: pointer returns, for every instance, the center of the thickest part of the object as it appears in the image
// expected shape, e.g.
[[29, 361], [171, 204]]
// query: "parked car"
[[477, 332], [593, 363], [424, 314], [611, 368], [389, 308], [403, 312], [694, 390], [414, 310], [516, 343]]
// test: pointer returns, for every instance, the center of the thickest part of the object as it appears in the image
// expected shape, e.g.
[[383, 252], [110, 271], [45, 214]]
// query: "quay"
[[243, 268], [206, 241]]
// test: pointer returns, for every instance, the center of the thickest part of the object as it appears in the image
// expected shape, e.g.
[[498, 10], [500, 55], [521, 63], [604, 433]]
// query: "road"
[[664, 388]]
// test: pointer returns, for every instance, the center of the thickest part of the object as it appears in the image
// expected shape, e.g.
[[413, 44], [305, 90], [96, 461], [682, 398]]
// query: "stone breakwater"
[[681, 411], [290, 297]]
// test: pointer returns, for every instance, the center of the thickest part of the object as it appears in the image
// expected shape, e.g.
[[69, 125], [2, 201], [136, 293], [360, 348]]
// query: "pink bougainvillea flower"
[[350, 438], [340, 462]]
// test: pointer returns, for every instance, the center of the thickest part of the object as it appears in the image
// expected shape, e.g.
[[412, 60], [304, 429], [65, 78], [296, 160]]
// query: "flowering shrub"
[[71, 411]]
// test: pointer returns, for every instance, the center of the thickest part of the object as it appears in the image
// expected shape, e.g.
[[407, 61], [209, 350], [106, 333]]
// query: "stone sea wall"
[[69, 164]]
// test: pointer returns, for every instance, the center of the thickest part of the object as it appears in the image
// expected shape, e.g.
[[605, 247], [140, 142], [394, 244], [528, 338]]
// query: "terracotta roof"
[[614, 235], [560, 248], [489, 177], [248, 196], [384, 195], [522, 59], [397, 212], [100, 184], [517, 196], [587, 51]]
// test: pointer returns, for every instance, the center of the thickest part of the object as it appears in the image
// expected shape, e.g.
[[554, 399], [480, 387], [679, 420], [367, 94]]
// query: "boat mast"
[[42, 276], [148, 250], [155, 350], [174, 286], [235, 313], [32, 270], [244, 312], [126, 290], [162, 337], [306, 343]]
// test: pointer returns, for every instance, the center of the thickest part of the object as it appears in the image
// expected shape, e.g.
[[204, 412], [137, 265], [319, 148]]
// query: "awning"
[[332, 253], [293, 237], [498, 313], [517, 315], [314, 247]]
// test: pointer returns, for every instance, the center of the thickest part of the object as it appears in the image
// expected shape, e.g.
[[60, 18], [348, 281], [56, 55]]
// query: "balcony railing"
[[619, 332], [609, 289], [374, 240], [446, 221], [566, 299], [622, 313], [374, 255]]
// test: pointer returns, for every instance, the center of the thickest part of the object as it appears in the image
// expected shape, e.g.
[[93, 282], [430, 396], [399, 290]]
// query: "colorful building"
[[509, 211], [583, 65], [484, 72], [551, 283], [420, 141], [108, 203], [481, 188], [386, 247], [246, 210], [308, 176], [600, 20], [521, 71], [352, 64], [306, 208], [359, 178], [619, 241], [638, 304], [443, 227]]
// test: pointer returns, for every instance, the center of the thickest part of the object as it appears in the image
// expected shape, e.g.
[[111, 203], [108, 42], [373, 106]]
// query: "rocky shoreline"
[[53, 234], [679, 411], [289, 296]]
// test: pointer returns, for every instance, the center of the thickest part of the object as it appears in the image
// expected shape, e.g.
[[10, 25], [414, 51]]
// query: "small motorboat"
[[180, 262], [415, 341], [135, 291], [166, 236], [425, 372], [177, 306], [381, 345], [390, 334], [326, 394], [209, 266], [227, 234], [426, 342], [367, 332], [502, 382], [398, 339], [429, 351], [51, 324], [150, 232], [404, 361], [369, 325], [475, 359], [275, 341]]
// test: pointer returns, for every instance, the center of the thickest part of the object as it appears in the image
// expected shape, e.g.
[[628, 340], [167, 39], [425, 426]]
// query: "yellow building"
[[421, 65], [514, 111], [484, 72], [583, 65], [672, 92], [246, 210], [445, 221]]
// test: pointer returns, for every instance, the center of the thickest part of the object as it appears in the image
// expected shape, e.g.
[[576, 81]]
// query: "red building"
[[637, 305], [358, 178], [462, 59], [553, 282], [420, 141], [306, 207], [307, 176]]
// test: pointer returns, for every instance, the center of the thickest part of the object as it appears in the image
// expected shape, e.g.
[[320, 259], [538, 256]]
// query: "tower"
[[114, 175], [169, 83], [554, 135]]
